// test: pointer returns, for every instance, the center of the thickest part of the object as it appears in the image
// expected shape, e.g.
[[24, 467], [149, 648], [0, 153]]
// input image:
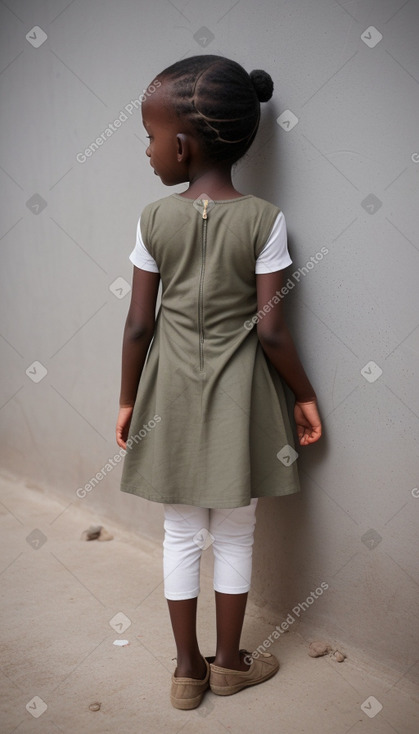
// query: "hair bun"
[[263, 84]]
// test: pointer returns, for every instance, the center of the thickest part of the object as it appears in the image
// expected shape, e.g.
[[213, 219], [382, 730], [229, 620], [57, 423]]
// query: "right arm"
[[277, 343]]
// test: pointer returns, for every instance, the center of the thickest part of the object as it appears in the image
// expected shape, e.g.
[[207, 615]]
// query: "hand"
[[309, 427], [122, 425]]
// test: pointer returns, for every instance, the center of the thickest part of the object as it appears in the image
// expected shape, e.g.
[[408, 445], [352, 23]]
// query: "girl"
[[205, 424]]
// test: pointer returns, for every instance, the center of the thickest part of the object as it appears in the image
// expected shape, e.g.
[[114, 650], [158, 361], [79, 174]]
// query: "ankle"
[[230, 661], [190, 667]]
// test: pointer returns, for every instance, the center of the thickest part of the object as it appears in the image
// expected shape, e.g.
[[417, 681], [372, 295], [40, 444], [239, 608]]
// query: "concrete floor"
[[59, 597]]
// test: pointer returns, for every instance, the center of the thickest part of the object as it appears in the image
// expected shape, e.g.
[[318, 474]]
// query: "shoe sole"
[[186, 703]]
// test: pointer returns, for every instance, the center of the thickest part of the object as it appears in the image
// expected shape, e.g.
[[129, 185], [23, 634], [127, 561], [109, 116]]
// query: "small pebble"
[[96, 532], [105, 535], [91, 533], [339, 656], [318, 648], [95, 706]]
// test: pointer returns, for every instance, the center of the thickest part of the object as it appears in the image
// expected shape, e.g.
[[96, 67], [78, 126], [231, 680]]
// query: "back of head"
[[220, 100]]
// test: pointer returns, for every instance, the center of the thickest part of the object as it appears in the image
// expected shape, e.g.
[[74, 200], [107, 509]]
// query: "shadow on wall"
[[288, 545], [257, 171]]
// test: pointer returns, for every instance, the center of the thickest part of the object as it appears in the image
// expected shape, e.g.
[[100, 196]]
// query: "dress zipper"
[[201, 286]]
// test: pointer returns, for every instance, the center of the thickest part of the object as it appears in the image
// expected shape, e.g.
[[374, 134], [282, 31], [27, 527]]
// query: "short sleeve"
[[140, 256], [275, 255]]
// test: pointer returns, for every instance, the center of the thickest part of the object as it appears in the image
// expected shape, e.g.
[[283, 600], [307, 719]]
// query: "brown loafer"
[[187, 693], [225, 682]]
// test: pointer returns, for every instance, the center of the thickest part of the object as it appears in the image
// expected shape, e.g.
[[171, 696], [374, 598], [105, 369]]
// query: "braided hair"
[[220, 100]]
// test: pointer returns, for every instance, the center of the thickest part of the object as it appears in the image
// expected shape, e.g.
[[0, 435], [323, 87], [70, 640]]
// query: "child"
[[208, 417]]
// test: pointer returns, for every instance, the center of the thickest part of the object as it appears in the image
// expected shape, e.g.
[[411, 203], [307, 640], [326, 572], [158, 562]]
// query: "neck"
[[215, 181]]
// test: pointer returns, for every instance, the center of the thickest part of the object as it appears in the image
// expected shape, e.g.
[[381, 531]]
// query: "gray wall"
[[346, 177]]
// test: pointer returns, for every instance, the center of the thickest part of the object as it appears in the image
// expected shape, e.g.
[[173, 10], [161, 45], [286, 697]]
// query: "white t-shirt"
[[274, 256]]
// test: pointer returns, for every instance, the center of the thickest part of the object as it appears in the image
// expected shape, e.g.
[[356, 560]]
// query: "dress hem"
[[230, 504]]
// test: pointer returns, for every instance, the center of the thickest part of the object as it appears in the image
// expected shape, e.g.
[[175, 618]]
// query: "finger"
[[314, 435], [303, 436], [310, 436], [119, 440]]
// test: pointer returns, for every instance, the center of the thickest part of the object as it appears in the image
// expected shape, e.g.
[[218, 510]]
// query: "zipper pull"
[[204, 214]]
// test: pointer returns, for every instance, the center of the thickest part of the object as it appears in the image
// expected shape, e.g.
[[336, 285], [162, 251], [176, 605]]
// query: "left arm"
[[138, 333]]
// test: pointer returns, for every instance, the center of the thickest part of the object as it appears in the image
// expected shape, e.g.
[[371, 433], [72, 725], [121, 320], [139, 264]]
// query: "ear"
[[183, 147]]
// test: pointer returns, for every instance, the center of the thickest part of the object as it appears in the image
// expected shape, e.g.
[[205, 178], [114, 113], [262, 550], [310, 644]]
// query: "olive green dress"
[[210, 415]]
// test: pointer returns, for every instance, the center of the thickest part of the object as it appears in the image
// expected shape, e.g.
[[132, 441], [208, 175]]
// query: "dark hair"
[[220, 100]]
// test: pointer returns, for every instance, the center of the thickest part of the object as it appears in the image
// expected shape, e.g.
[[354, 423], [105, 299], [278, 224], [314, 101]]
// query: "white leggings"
[[190, 530]]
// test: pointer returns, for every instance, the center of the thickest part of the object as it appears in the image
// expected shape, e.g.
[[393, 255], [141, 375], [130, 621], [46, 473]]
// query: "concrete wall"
[[346, 176]]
